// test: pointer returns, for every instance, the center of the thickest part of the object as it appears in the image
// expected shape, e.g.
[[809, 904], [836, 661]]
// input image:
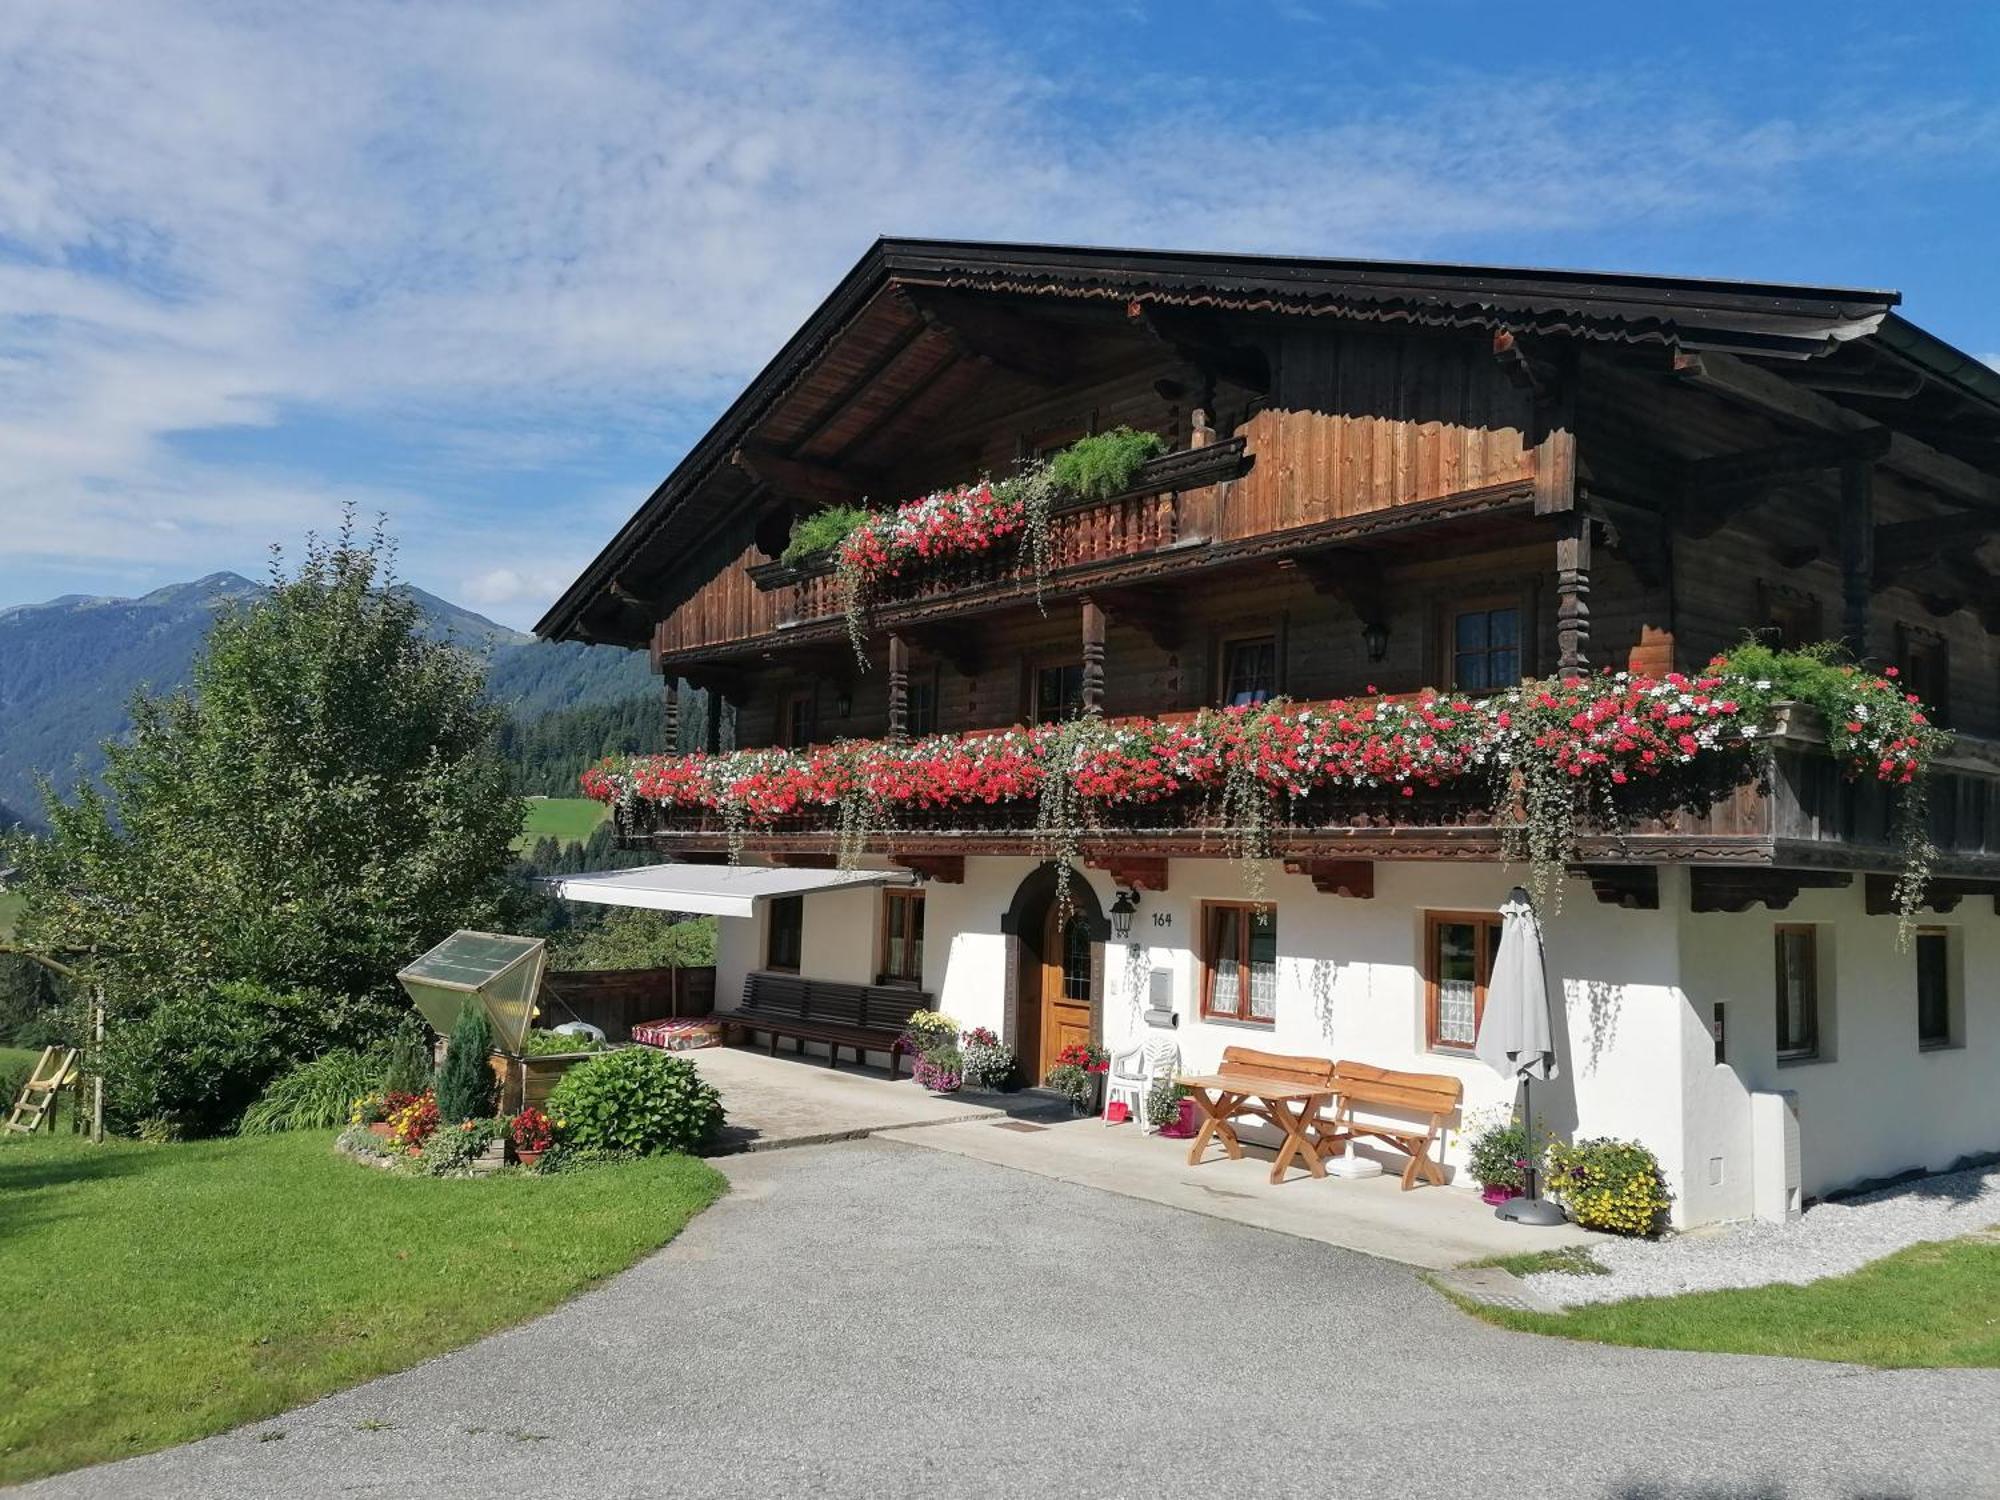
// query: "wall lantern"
[[1121, 914], [843, 704], [1375, 636]]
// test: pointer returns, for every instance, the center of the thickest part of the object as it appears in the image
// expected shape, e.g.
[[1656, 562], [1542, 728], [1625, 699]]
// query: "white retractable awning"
[[717, 890]]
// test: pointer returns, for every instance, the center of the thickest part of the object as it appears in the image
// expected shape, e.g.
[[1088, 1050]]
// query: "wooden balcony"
[[1810, 817], [1173, 504]]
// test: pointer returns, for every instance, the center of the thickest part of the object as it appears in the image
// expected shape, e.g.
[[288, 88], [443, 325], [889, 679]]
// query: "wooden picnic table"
[[1290, 1103]]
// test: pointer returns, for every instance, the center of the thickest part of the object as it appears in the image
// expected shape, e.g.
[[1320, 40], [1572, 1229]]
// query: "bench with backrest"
[[864, 1017], [1431, 1097]]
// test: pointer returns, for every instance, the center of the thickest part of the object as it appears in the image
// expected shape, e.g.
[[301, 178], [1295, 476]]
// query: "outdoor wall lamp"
[[1121, 913], [843, 703], [1375, 636]]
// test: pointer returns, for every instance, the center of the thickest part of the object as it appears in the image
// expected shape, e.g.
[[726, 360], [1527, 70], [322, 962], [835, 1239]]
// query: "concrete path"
[[1428, 1226], [868, 1319]]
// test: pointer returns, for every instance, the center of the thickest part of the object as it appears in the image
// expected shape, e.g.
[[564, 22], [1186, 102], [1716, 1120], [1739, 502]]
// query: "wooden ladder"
[[38, 1095]]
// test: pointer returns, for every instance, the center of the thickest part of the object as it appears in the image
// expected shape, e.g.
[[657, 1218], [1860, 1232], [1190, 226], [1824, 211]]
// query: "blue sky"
[[491, 267]]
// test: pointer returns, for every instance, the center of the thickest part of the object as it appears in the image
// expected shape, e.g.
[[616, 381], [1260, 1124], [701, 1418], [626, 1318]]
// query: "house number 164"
[[1163, 919]]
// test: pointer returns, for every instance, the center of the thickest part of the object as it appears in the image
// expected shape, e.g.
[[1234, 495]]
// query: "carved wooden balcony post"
[[1573, 593], [1857, 551], [899, 688], [1093, 659]]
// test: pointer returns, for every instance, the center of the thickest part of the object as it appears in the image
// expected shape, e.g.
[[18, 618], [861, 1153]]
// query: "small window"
[[1239, 962], [1249, 671], [902, 937], [1076, 959], [1058, 693], [1791, 618], [1486, 649], [1926, 671], [1458, 948], [797, 726], [1934, 1028], [784, 937], [920, 704], [1798, 993]]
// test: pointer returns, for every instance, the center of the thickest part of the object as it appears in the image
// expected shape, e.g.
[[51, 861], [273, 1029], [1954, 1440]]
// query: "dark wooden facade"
[[1643, 469]]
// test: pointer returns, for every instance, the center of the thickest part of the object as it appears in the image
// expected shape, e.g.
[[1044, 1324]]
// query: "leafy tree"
[[465, 1082], [629, 939], [323, 804]]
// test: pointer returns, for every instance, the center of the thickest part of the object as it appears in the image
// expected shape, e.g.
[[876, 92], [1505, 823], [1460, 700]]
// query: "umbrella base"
[[1531, 1211]]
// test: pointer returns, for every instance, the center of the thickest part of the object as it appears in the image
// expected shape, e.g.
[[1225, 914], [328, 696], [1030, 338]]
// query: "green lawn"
[[160, 1293], [568, 819], [1932, 1304]]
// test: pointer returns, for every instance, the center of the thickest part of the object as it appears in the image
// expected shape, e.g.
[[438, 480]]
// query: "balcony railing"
[[1810, 813], [1162, 509]]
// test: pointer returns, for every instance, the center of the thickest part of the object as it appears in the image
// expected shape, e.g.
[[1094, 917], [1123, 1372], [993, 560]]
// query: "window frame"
[[893, 964], [1521, 600], [797, 719], [1486, 943], [771, 909], [1036, 669], [1224, 659], [1782, 606], [1816, 1049], [1914, 642], [1949, 1037], [1205, 955], [926, 680]]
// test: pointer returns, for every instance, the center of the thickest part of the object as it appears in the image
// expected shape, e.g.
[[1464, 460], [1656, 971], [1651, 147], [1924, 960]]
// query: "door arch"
[[1055, 969]]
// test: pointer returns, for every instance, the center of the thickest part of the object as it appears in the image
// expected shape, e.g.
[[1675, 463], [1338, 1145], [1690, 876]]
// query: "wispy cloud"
[[515, 236]]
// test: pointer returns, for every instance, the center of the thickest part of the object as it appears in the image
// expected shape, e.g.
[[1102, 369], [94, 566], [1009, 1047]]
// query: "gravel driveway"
[[870, 1319]]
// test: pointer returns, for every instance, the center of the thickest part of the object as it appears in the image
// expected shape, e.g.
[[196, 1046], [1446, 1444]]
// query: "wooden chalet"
[[1377, 476]]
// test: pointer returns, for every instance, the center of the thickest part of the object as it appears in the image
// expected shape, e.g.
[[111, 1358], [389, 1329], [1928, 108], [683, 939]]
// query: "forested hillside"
[[69, 668]]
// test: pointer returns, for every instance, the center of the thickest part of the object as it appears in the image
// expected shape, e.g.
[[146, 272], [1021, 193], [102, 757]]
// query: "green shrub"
[[636, 1099], [1498, 1156], [541, 1043], [1103, 464], [452, 1149], [409, 1066], [1610, 1185], [821, 531], [466, 1087], [194, 1064], [313, 1096], [634, 939]]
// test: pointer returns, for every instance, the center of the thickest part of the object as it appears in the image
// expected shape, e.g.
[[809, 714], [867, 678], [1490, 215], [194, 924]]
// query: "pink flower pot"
[[1185, 1126], [1498, 1195]]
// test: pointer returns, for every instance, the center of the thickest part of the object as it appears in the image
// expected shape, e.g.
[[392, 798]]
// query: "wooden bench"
[[864, 1017], [1433, 1096]]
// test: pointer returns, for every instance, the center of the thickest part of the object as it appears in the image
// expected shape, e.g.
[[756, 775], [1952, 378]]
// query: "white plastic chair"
[[1133, 1073]]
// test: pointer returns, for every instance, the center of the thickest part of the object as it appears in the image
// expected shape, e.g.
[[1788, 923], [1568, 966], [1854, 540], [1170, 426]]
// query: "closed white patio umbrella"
[[1517, 1036]]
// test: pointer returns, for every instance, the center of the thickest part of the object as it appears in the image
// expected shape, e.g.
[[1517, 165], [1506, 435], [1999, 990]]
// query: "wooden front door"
[[1065, 987]]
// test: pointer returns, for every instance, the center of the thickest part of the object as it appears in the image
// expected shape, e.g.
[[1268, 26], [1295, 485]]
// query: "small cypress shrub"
[[465, 1084], [409, 1068]]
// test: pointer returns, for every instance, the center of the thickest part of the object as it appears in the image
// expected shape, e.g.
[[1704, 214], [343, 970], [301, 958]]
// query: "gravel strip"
[[1831, 1240]]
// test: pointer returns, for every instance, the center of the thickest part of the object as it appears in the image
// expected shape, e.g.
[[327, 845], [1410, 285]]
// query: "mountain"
[[69, 668]]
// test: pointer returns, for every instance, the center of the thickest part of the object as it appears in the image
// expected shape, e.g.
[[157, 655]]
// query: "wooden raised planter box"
[[529, 1080]]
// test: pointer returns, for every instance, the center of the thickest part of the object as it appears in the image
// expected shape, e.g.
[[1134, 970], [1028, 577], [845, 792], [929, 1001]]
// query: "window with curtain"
[[1249, 671], [1458, 965], [1239, 962], [784, 932], [1486, 649]]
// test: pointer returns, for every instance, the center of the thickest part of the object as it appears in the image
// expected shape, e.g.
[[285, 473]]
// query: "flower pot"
[[528, 1158], [1497, 1195], [1184, 1125]]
